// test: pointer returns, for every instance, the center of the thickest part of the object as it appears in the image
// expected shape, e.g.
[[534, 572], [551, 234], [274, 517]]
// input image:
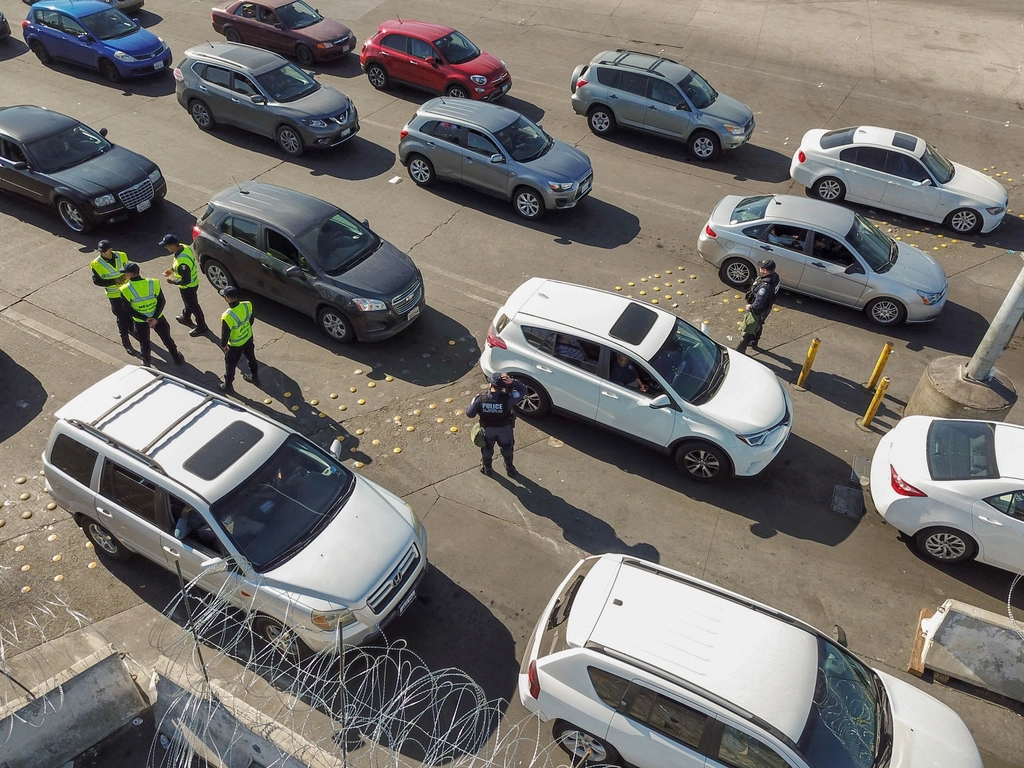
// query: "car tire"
[[528, 202], [41, 53], [304, 54], [231, 35], [830, 189], [218, 274], [583, 747], [421, 170], [945, 545], [378, 76], [289, 140], [885, 312], [282, 640], [704, 145], [456, 91], [104, 542], [703, 462], [964, 221], [601, 120], [737, 272], [201, 115], [336, 325], [109, 71], [72, 216], [536, 403]]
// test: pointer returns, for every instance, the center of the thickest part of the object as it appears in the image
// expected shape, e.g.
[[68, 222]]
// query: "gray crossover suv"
[[658, 95], [262, 92], [497, 151]]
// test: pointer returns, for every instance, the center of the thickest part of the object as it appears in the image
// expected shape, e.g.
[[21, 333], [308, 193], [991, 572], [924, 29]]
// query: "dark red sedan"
[[292, 28], [432, 57]]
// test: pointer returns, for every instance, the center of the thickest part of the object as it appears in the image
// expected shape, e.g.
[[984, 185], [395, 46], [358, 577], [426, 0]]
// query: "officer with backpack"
[[760, 299], [497, 414]]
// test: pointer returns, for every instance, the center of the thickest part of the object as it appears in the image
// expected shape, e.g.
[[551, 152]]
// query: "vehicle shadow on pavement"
[[23, 400], [754, 163], [345, 67], [12, 49], [146, 18], [355, 160], [159, 84]]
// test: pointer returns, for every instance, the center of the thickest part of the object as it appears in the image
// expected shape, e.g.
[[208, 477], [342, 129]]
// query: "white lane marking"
[[657, 201], [14, 316], [190, 185], [466, 280]]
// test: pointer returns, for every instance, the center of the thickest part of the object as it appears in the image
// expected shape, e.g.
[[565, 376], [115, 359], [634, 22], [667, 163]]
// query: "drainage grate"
[[861, 469], [848, 502]]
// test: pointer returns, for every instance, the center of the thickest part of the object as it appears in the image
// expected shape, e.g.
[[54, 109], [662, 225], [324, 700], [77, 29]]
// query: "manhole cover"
[[848, 502], [861, 469]]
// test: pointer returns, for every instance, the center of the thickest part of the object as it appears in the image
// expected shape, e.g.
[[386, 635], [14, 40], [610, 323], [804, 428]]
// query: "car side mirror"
[[925, 182], [661, 401], [293, 271], [103, 132], [136, 22], [84, 38], [855, 269], [257, 99], [336, 448], [215, 565], [365, 223], [21, 165], [681, 106], [431, 60], [497, 157], [839, 634]]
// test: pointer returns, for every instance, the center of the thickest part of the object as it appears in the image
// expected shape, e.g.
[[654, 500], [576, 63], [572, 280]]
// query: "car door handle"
[[609, 394], [469, 160], [236, 101], [613, 96], [173, 552], [431, 144], [765, 247], [203, 88], [103, 512], [266, 268], [987, 520], [819, 265], [651, 106], [542, 368]]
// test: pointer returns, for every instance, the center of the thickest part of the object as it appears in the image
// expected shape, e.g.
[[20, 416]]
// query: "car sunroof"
[[905, 141], [634, 324]]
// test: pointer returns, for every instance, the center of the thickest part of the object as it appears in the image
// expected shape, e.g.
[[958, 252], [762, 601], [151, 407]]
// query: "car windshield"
[[524, 140], [698, 90], [297, 15], [691, 363], [67, 148], [109, 24], [849, 723], [457, 48], [937, 165], [339, 243], [287, 83], [750, 209], [284, 504], [878, 249]]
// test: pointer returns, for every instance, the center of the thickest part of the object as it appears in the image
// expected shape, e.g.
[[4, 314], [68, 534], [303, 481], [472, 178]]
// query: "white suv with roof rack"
[[316, 555], [641, 665]]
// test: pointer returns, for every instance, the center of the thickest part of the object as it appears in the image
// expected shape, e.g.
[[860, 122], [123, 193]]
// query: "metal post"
[[879, 366], [999, 333], [811, 352], [876, 401], [191, 623]]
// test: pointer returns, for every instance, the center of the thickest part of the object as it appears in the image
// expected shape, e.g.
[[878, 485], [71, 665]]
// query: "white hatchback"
[[642, 372]]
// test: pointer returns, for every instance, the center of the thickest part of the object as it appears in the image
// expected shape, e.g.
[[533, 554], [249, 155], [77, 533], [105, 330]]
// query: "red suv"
[[432, 57]]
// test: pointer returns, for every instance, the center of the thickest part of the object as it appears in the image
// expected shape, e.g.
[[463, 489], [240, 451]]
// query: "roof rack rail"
[[100, 435], [657, 59]]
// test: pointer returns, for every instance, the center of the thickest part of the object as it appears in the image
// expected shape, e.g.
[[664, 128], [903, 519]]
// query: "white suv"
[[717, 412], [277, 526], [639, 664]]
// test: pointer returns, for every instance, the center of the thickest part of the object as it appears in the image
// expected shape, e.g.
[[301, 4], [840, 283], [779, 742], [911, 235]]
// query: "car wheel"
[[231, 35], [536, 402], [704, 145], [336, 325], [421, 170], [105, 542], [304, 55], [964, 221], [885, 312], [377, 76], [528, 203], [41, 53], [72, 216], [945, 545], [601, 120], [201, 115], [829, 189], [283, 640], [703, 462], [109, 71], [289, 140], [456, 91], [585, 748], [737, 272], [218, 275]]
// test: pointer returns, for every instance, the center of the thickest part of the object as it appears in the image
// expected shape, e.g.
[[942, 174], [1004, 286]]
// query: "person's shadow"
[[579, 528]]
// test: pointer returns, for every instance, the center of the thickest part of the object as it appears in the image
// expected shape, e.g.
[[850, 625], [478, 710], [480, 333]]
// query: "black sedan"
[[55, 160]]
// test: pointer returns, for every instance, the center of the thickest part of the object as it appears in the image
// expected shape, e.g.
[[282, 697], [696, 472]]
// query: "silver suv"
[[314, 554], [658, 95], [497, 151]]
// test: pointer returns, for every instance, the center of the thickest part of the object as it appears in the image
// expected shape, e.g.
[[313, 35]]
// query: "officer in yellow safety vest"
[[184, 273], [106, 273], [236, 339], [144, 303]]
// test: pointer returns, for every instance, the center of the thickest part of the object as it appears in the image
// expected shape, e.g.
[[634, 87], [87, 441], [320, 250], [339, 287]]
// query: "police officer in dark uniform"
[[184, 273], [144, 302], [760, 299], [497, 417]]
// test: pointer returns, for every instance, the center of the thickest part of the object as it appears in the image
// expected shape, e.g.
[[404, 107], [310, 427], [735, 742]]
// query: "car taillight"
[[177, 74], [800, 156], [195, 232], [901, 486], [494, 340], [709, 231], [25, 23], [580, 83], [534, 680], [403, 134]]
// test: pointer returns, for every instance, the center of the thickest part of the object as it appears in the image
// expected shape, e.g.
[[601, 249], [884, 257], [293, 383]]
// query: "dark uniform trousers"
[[163, 330], [234, 354], [191, 309], [504, 436], [125, 324]]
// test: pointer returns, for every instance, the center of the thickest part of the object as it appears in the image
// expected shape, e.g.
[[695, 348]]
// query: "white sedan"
[[897, 172], [956, 486]]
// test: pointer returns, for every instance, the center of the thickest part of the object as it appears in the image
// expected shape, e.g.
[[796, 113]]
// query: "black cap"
[[229, 292], [767, 264], [169, 239], [496, 379], [102, 245], [131, 268]]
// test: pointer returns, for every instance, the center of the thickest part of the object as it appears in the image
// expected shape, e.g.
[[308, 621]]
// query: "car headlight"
[[931, 298], [154, 176], [560, 186], [328, 621], [103, 201], [735, 130], [370, 305], [315, 122], [324, 46], [996, 210], [478, 79], [122, 56], [757, 438]]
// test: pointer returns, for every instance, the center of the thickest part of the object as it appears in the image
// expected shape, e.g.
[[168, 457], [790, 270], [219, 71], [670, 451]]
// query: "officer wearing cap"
[[497, 414], [144, 303], [236, 339], [184, 273], [107, 273], [760, 298]]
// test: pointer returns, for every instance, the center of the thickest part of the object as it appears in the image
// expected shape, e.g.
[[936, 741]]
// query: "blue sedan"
[[92, 34]]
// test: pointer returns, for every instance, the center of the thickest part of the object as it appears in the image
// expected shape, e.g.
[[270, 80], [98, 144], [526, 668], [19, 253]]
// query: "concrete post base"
[[943, 391]]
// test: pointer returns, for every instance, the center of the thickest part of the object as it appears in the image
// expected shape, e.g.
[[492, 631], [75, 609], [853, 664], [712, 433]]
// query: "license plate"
[[505, 87], [414, 312], [158, 65], [346, 48], [346, 132], [143, 206], [585, 189], [402, 606]]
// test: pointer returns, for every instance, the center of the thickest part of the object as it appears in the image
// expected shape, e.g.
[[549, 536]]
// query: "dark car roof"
[[491, 117], [27, 123], [256, 60], [74, 7], [425, 29], [290, 211]]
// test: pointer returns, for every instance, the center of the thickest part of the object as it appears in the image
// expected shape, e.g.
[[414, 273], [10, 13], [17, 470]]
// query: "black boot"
[[252, 378], [510, 470], [485, 467], [742, 347], [226, 388]]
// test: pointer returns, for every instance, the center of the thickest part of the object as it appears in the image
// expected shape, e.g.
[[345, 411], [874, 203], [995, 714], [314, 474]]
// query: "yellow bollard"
[[876, 401], [879, 366], [811, 352]]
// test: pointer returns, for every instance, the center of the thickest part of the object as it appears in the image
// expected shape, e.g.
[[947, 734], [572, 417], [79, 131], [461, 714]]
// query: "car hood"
[[326, 102], [110, 172], [750, 399], [139, 42], [384, 274], [976, 185], [729, 110], [562, 163], [353, 553], [916, 269], [324, 31], [485, 64], [925, 732]]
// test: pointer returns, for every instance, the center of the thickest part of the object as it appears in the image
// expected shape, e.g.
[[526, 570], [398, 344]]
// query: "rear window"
[[233, 442], [750, 209], [837, 138], [73, 459], [905, 141], [608, 77], [553, 634], [610, 688], [962, 450], [634, 324]]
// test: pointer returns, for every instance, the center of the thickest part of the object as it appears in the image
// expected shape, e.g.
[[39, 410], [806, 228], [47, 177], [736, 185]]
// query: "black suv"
[[309, 255]]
